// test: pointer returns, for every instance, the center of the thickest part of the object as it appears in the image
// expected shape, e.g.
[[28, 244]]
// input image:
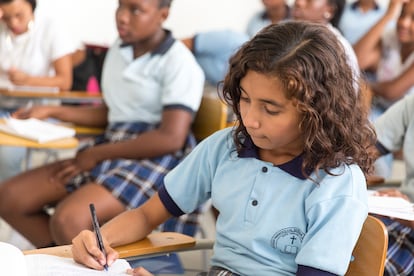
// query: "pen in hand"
[[95, 224]]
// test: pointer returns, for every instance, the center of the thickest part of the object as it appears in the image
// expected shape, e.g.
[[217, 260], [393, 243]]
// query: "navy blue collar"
[[355, 5], [163, 47], [292, 167]]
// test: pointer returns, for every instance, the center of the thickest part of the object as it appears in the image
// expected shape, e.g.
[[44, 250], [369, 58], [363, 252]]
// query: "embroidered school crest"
[[288, 240]]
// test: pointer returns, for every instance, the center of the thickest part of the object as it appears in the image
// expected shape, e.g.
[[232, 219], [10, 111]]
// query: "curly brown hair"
[[311, 64]]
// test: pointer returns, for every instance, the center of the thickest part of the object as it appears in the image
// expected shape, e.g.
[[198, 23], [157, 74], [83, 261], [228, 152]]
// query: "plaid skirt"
[[134, 181], [400, 254]]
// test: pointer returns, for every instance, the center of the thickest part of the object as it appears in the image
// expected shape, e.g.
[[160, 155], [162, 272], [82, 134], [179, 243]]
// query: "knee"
[[66, 223], [9, 201]]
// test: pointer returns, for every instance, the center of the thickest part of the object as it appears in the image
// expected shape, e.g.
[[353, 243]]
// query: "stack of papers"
[[394, 207], [36, 130]]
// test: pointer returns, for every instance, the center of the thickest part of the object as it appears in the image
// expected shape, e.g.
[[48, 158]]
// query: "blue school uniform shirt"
[[272, 219], [167, 77], [355, 23]]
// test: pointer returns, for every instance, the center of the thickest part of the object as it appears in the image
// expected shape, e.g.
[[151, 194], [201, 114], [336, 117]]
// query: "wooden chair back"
[[370, 251], [211, 117]]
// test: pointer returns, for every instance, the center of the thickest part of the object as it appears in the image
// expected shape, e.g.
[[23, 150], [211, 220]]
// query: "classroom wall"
[[93, 21]]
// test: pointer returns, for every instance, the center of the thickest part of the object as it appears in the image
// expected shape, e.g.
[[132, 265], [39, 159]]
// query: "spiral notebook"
[[36, 130]]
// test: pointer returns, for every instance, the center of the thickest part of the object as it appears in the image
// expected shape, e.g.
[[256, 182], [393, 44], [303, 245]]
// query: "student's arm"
[[62, 79], [169, 137], [368, 48], [396, 88], [125, 228], [92, 116]]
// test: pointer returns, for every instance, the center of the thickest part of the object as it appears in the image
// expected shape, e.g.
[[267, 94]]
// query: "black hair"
[[339, 6], [31, 2], [165, 3]]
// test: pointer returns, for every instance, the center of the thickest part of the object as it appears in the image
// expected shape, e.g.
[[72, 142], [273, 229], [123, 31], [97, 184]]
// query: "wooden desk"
[[65, 96], [153, 244], [15, 141]]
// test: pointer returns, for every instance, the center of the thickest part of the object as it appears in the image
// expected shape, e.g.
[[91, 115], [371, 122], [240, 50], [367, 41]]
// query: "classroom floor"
[[193, 262]]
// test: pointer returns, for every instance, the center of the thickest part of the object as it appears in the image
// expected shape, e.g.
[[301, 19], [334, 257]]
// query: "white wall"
[[93, 21]]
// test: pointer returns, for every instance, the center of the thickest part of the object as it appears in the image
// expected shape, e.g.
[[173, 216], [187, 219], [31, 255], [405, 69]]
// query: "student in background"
[[390, 54], [212, 50], [152, 87], [34, 51], [358, 17], [395, 132], [274, 12], [291, 157]]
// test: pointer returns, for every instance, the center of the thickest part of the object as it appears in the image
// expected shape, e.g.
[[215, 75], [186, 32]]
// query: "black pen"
[[95, 224]]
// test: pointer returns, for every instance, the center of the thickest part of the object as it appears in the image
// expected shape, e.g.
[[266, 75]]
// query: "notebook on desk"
[[36, 130], [14, 263], [8, 85]]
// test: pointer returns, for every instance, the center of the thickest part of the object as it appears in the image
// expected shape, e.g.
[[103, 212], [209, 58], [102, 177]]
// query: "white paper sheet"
[[49, 265]]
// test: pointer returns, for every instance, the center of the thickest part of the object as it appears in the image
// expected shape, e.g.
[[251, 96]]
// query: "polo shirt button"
[[254, 202], [264, 169]]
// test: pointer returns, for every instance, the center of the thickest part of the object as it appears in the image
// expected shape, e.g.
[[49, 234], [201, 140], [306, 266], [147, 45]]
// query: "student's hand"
[[86, 251], [83, 161], [394, 8], [139, 271], [39, 112], [18, 77]]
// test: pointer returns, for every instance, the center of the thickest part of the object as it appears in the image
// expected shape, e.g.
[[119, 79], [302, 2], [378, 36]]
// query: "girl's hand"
[[39, 112], [86, 251], [139, 271], [18, 77], [394, 8], [84, 161]]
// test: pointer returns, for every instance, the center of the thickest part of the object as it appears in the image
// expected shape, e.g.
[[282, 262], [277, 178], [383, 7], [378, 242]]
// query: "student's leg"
[[22, 199], [72, 215]]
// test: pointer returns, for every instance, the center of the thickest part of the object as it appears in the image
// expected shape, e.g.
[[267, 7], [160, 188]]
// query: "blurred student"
[[358, 17], [274, 12], [395, 132], [34, 51], [152, 87], [291, 157], [389, 53]]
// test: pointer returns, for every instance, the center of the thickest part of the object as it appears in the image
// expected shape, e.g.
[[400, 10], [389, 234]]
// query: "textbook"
[[35, 129], [14, 263], [394, 207]]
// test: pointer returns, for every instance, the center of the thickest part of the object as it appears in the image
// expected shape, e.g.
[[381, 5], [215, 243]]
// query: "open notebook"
[[14, 263], [36, 130], [394, 207]]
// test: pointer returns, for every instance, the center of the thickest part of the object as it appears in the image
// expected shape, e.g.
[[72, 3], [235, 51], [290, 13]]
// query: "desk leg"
[[28, 160]]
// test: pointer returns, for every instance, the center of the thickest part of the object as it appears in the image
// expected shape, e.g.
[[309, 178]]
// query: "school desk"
[[14, 141], [157, 243]]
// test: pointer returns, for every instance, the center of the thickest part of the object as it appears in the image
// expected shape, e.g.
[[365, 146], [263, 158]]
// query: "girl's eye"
[[270, 111]]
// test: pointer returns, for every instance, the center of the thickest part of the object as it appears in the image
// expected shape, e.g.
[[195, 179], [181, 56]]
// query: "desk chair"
[[370, 251], [210, 117]]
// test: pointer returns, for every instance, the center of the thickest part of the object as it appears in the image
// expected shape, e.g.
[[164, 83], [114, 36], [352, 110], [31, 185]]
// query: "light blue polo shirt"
[[167, 77], [272, 219], [354, 23]]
